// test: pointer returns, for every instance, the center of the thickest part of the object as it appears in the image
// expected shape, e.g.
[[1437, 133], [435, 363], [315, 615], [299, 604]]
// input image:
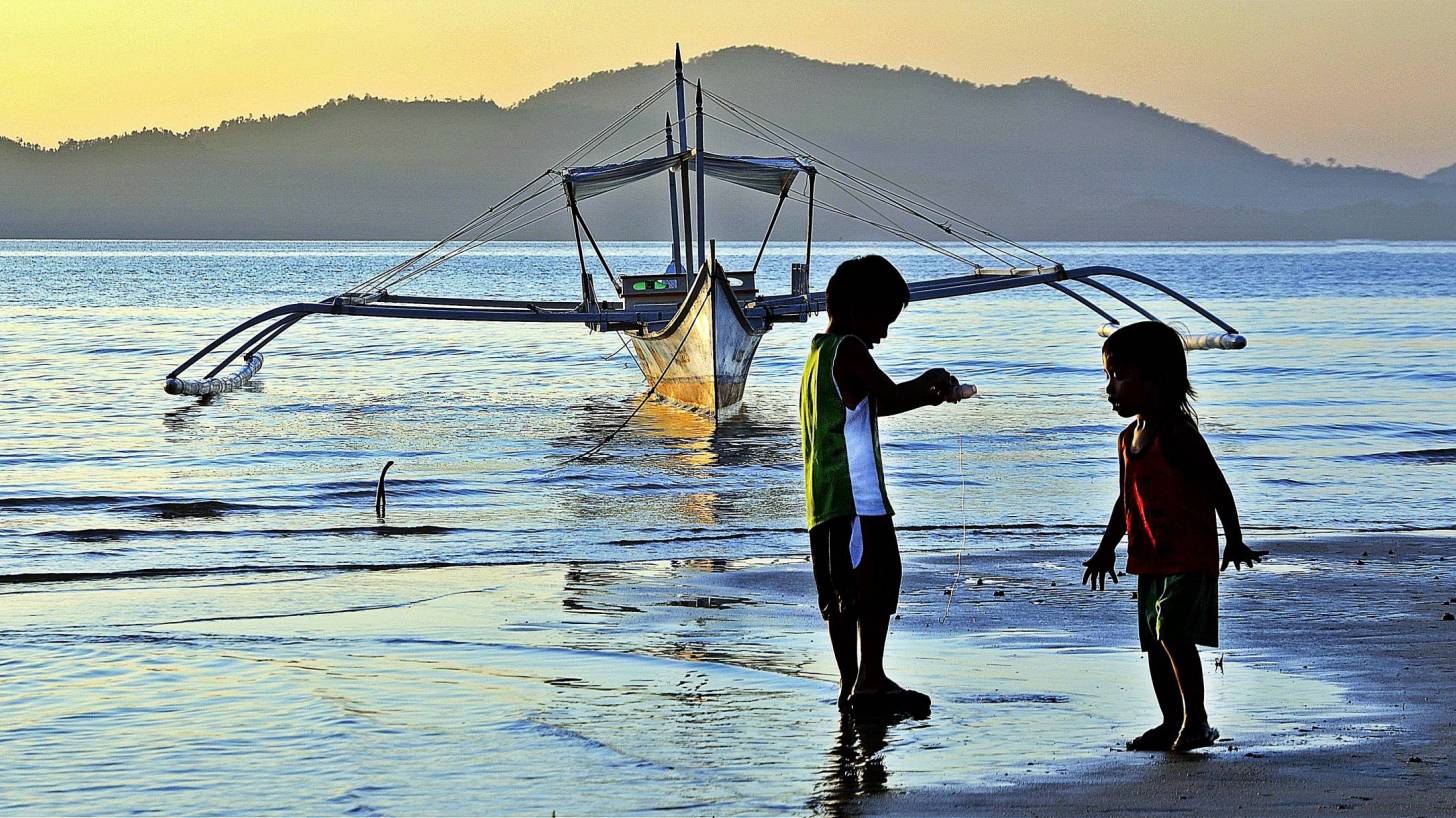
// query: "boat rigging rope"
[[908, 236], [406, 270], [899, 229], [911, 195], [828, 172], [999, 255]]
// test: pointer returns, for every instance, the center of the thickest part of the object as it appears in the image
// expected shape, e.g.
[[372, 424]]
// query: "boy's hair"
[[1155, 350], [866, 287]]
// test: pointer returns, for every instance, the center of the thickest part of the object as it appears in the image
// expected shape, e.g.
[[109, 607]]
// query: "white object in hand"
[[965, 390]]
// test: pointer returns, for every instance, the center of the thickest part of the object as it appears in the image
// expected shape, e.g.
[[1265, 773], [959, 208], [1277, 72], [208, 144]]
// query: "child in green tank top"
[[851, 534]]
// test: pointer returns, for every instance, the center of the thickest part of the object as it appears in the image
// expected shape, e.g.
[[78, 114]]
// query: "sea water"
[[201, 612]]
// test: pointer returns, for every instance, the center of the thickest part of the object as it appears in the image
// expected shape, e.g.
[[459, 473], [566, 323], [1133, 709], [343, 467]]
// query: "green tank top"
[[843, 475]]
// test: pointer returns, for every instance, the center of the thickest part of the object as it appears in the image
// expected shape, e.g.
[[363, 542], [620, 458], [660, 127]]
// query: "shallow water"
[[569, 671]]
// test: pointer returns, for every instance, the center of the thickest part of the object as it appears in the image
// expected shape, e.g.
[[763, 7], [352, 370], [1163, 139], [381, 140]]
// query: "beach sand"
[[1365, 612], [705, 686]]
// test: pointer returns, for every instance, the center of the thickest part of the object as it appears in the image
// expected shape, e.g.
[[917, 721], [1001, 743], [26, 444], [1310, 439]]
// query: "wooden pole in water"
[[379, 491], [672, 204]]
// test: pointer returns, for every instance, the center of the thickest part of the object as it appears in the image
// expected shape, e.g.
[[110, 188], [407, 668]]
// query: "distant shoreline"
[[1035, 158]]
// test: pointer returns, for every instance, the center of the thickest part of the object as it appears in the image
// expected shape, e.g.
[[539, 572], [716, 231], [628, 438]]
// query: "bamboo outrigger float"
[[693, 335]]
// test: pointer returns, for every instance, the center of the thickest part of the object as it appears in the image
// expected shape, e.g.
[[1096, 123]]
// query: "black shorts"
[[872, 587]]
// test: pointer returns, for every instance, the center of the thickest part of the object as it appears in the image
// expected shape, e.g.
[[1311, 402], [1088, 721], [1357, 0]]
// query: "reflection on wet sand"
[[584, 584], [689, 628], [854, 765]]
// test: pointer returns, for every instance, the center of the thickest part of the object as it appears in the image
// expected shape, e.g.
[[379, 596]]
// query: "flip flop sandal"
[[1203, 736], [1158, 739], [890, 703]]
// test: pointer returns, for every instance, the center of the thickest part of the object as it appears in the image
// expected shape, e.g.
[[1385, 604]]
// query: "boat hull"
[[702, 357]]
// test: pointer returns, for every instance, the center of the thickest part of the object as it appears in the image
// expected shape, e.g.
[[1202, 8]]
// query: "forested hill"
[[1034, 160]]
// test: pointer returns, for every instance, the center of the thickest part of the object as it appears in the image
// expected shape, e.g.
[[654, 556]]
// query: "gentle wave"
[[1415, 455], [204, 571], [108, 534]]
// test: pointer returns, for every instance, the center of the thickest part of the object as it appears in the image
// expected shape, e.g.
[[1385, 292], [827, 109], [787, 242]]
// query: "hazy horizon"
[[1299, 79]]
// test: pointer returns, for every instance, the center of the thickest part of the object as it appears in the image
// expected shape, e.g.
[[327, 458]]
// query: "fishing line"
[[950, 591]]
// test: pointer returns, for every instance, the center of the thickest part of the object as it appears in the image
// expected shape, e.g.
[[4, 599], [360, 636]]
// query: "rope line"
[[942, 209], [650, 392], [828, 171], [407, 270]]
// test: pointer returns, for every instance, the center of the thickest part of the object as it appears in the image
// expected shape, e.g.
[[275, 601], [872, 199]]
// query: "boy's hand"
[[1236, 552], [1102, 565], [940, 385]]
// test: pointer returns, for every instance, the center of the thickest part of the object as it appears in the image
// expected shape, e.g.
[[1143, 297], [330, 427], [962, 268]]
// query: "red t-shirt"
[[1170, 521]]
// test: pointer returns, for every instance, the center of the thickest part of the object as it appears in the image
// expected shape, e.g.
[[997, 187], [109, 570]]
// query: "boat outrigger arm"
[[611, 316], [694, 334]]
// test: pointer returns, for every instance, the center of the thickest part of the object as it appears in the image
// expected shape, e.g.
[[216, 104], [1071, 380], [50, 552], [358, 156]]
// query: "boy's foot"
[[890, 703], [1158, 739], [1193, 736]]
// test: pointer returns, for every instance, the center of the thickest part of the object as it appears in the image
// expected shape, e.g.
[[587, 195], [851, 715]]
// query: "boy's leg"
[[829, 552], [878, 580], [873, 628], [842, 638]]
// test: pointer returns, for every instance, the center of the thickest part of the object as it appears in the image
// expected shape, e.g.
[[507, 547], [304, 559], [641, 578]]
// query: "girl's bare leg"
[[1196, 731], [1170, 702]]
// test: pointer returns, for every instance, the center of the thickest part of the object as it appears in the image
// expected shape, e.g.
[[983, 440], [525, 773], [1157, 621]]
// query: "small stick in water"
[[379, 491]]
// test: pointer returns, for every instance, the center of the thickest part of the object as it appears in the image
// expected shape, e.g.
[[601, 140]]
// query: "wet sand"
[[705, 686], [1366, 612]]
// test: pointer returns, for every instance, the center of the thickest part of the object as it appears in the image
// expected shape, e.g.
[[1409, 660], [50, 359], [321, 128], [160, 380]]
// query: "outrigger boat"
[[694, 334]]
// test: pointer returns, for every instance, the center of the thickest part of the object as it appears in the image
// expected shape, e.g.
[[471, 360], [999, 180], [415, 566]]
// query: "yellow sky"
[[1370, 82]]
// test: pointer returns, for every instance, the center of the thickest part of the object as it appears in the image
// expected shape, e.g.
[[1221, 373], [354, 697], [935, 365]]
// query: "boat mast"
[[803, 283], [677, 266], [682, 139], [702, 252]]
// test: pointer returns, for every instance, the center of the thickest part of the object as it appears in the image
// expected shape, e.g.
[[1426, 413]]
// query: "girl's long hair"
[[1156, 351]]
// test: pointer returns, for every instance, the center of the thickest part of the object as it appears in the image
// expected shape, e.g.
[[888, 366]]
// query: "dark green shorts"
[[1178, 608]]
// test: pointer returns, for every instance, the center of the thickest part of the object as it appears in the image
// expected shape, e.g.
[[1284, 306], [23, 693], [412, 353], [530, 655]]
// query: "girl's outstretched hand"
[[1236, 552], [1102, 565]]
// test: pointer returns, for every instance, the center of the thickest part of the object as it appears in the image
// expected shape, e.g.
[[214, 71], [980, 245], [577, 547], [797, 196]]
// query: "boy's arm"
[[1192, 451], [858, 376], [1104, 563]]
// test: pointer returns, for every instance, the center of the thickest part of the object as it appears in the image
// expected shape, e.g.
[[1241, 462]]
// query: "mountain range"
[[1038, 160]]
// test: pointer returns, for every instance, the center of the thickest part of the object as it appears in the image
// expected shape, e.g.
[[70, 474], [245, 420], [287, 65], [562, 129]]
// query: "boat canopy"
[[769, 174]]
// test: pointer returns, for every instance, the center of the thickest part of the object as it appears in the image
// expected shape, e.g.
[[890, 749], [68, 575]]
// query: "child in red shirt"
[[1170, 490]]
